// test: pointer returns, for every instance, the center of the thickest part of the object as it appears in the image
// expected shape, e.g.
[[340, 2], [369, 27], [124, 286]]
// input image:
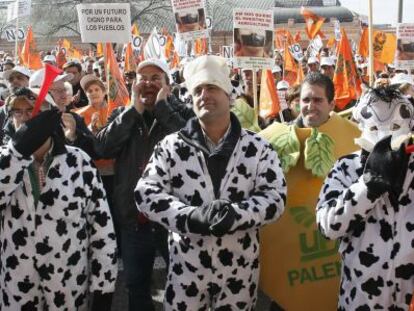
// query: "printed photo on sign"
[[253, 38], [256, 43], [190, 21]]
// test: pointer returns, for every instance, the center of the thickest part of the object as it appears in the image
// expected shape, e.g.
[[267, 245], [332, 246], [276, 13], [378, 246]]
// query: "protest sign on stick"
[[404, 56], [105, 22], [190, 19], [253, 38]]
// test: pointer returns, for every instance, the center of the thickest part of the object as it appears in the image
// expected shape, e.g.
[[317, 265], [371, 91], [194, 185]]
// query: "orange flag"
[[135, 30], [31, 58], [129, 64], [99, 49], [298, 37], [269, 100], [169, 46], [175, 63], [331, 42], [19, 52], [60, 56], [313, 23], [292, 70], [117, 92], [283, 36], [385, 45], [346, 79]]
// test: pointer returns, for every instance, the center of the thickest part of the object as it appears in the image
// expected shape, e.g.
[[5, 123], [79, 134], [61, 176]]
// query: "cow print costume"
[[207, 271], [53, 253], [376, 236]]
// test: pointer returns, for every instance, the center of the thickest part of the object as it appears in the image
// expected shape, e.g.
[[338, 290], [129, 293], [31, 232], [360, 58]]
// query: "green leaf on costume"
[[319, 153], [302, 215], [287, 146]]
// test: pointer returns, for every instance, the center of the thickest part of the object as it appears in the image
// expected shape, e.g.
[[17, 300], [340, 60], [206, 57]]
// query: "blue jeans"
[[139, 245]]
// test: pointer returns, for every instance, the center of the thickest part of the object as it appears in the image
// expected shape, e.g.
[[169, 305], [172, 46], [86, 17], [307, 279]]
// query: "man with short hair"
[[17, 77], [75, 68], [212, 185], [327, 67], [313, 64], [129, 137], [307, 149]]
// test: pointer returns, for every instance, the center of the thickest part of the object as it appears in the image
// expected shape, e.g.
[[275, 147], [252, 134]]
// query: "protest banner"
[[10, 34], [227, 51], [253, 38], [296, 51], [314, 47], [404, 56], [190, 19], [23, 10], [105, 22]]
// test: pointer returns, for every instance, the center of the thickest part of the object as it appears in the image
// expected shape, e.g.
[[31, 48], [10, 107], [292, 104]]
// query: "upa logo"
[[317, 254]]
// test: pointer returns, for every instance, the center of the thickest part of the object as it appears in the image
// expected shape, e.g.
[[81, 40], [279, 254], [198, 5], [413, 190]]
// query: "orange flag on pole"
[[292, 70], [31, 58], [385, 45], [129, 64], [175, 63], [298, 37], [269, 100], [346, 79], [313, 23], [135, 30], [117, 92], [99, 49]]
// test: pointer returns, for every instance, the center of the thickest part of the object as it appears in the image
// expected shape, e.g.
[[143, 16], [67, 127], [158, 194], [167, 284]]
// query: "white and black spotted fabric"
[[377, 239], [53, 254], [206, 271]]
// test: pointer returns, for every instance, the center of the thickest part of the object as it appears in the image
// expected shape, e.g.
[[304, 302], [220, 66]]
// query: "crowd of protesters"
[[187, 170]]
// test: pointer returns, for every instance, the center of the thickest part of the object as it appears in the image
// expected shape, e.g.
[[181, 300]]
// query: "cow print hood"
[[381, 112]]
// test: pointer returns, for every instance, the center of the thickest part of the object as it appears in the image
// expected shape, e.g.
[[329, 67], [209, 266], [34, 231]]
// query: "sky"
[[384, 11]]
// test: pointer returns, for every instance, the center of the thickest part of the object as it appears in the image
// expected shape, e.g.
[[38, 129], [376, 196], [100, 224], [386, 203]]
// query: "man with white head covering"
[[212, 185], [366, 203]]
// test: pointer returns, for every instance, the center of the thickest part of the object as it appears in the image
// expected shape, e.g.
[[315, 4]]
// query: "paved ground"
[[120, 300]]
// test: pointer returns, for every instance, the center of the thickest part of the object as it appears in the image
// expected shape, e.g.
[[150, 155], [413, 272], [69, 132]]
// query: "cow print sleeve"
[[267, 200], [153, 193], [102, 242], [12, 166], [343, 202]]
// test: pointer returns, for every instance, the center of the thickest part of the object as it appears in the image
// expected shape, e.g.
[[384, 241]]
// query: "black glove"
[[33, 133], [201, 218], [226, 217], [385, 169], [101, 302]]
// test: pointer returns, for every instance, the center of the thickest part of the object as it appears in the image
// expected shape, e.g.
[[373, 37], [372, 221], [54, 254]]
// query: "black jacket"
[[130, 141], [218, 159]]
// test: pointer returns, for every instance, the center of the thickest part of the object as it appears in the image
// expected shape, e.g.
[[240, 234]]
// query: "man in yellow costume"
[[300, 269]]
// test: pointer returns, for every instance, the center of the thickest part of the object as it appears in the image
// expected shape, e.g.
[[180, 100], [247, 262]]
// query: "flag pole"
[[255, 102], [370, 44], [16, 35]]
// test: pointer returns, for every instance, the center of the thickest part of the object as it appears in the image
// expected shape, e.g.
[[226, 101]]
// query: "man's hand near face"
[[137, 88], [164, 92]]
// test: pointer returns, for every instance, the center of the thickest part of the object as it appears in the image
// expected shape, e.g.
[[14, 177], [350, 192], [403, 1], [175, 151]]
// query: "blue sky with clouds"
[[384, 11]]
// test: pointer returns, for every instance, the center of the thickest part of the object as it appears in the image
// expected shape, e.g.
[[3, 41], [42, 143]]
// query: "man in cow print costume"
[[367, 203], [213, 185], [57, 241]]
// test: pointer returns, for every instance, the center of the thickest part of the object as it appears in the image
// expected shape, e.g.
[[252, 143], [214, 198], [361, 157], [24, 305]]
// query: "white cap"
[[36, 80], [49, 58], [157, 63], [282, 85], [401, 78], [19, 69], [313, 60], [327, 61], [276, 68], [208, 69]]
